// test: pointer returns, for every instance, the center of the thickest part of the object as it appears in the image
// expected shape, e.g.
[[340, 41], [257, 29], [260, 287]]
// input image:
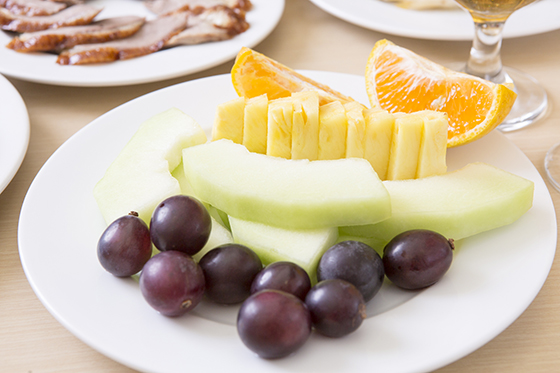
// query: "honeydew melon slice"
[[186, 189], [459, 204], [301, 246], [140, 177], [287, 193]]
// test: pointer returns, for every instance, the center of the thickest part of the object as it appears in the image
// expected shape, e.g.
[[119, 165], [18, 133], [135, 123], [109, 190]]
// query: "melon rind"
[[140, 177]]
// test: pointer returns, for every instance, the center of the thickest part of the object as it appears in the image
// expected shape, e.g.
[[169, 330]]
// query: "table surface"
[[31, 340]]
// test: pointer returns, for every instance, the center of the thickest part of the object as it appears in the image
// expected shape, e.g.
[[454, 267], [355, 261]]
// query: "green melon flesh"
[[292, 194], [474, 199], [301, 246], [140, 177]]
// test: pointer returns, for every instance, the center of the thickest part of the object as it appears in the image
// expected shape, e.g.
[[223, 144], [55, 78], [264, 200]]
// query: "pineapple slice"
[[405, 146], [355, 138], [433, 149], [333, 127], [228, 122], [279, 134], [379, 134], [255, 123], [305, 125]]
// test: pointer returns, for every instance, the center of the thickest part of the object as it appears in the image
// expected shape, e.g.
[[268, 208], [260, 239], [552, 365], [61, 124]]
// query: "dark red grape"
[[229, 271], [273, 323], [417, 258], [125, 246], [285, 276], [172, 283], [337, 307], [356, 263], [180, 223]]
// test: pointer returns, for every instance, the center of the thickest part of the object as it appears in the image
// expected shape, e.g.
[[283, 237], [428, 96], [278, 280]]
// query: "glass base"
[[531, 103], [552, 166]]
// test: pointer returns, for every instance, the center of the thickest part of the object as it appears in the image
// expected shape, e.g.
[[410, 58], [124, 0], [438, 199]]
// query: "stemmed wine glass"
[[484, 61]]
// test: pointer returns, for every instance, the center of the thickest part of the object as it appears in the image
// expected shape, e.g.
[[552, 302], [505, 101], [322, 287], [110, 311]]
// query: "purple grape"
[[285, 276], [125, 246], [273, 323], [180, 223], [229, 271], [172, 283], [337, 307], [417, 258], [355, 262]]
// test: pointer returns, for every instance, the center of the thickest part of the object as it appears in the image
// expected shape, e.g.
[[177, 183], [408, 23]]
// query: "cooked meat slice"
[[71, 16], [67, 37], [150, 38], [214, 24], [170, 6], [32, 7], [68, 2]]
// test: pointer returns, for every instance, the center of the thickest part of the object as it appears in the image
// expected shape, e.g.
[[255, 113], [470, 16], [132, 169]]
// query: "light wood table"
[[31, 340]]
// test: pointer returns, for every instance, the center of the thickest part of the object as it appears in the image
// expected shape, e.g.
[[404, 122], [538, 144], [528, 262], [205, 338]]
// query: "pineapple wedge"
[[433, 149], [305, 125], [228, 122], [405, 146], [379, 134], [333, 127], [279, 128], [355, 138], [255, 123]]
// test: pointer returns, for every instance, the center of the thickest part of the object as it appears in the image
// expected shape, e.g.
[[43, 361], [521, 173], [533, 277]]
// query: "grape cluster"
[[170, 281], [279, 306]]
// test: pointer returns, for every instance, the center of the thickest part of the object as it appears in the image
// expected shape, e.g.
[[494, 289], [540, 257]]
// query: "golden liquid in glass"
[[492, 10]]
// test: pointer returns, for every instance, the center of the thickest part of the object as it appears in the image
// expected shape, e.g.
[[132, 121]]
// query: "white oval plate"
[[164, 64], [14, 132], [438, 24], [494, 277]]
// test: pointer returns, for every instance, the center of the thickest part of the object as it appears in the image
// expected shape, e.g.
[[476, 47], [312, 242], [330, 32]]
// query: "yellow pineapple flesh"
[[228, 122], [433, 148], [405, 146], [355, 136], [255, 124], [305, 125], [378, 138], [333, 127], [279, 131]]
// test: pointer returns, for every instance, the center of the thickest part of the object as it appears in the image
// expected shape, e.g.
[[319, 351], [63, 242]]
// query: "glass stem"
[[484, 60]]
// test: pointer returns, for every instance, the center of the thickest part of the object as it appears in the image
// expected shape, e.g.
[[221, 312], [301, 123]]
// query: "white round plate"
[[164, 64], [454, 24], [494, 276], [14, 131]]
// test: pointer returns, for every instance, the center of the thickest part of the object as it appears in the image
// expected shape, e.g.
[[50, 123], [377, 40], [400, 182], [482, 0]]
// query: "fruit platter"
[[481, 294]]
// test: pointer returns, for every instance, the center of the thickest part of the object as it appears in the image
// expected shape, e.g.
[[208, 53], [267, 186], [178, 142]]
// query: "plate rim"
[[17, 113], [357, 19]]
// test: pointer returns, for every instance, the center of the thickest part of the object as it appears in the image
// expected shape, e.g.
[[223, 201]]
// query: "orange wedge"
[[254, 74], [399, 80]]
